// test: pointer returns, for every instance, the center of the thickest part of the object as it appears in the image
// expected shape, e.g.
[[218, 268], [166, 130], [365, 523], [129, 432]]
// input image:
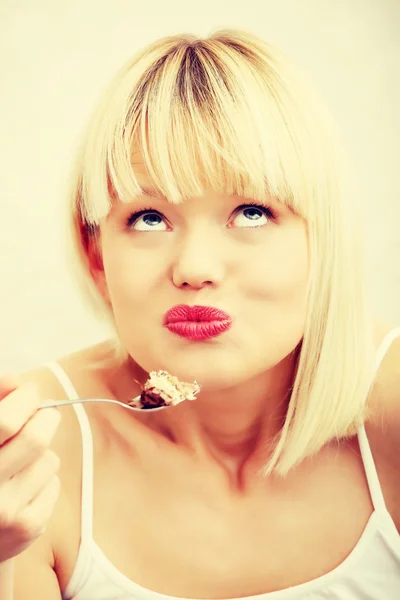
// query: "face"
[[214, 250]]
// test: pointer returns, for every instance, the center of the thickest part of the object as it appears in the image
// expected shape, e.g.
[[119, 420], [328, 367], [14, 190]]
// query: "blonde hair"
[[231, 112]]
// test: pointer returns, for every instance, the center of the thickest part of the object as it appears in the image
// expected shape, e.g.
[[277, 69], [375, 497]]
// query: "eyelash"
[[139, 213], [135, 216]]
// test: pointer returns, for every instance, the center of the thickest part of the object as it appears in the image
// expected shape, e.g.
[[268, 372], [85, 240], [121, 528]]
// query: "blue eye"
[[146, 220], [253, 215], [250, 214]]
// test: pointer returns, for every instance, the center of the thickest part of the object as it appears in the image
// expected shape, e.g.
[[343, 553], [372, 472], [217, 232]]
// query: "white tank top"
[[370, 572]]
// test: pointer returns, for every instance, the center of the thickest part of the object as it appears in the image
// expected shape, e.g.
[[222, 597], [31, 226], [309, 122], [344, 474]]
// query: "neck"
[[236, 425], [231, 427]]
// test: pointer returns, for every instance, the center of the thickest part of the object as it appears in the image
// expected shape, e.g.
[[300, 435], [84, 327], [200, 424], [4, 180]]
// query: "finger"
[[29, 482], [16, 408], [32, 441], [33, 519]]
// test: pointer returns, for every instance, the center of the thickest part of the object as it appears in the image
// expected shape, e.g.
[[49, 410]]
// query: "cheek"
[[131, 275], [119, 272], [280, 273], [277, 300]]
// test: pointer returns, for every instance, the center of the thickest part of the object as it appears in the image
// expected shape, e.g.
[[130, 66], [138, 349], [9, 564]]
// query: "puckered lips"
[[197, 323]]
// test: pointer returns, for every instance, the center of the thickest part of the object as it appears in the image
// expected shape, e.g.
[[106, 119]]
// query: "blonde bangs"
[[204, 114]]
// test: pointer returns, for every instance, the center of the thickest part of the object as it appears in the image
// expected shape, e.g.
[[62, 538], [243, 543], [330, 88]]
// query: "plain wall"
[[56, 57]]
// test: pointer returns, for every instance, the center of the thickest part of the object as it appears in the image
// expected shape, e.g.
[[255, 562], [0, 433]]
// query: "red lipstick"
[[197, 322]]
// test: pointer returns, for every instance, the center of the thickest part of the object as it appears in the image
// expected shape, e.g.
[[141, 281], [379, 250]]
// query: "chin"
[[210, 375]]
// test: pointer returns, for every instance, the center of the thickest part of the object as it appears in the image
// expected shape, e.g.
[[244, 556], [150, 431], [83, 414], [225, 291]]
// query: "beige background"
[[55, 59]]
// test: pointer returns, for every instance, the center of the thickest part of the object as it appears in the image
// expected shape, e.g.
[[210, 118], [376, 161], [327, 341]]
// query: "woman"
[[209, 177]]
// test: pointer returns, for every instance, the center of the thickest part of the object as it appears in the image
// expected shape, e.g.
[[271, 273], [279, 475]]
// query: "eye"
[[146, 220], [252, 215]]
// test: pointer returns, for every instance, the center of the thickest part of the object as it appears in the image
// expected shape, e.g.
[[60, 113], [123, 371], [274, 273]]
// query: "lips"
[[197, 322]]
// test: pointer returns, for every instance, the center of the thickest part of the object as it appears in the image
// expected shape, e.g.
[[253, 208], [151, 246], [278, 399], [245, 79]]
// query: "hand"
[[29, 486]]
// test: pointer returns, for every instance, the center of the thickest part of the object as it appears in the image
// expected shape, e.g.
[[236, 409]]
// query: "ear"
[[96, 267]]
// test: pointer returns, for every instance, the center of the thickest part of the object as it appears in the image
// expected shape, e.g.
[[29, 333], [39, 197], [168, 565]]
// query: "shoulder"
[[383, 425], [386, 389], [83, 367], [49, 387], [78, 368]]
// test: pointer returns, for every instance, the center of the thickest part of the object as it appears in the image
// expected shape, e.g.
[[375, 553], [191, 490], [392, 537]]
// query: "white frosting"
[[170, 388]]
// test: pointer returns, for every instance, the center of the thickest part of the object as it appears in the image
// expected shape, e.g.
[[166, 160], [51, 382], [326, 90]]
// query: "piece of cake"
[[163, 389]]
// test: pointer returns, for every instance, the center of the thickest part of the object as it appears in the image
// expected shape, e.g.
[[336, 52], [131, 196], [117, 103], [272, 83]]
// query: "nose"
[[198, 261]]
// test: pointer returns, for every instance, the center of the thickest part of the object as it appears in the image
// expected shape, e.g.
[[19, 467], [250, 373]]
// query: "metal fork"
[[52, 404]]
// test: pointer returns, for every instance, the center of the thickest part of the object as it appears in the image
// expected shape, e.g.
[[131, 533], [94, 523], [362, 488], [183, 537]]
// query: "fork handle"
[[52, 404]]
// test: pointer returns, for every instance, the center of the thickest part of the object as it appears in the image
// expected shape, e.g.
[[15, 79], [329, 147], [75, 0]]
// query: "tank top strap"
[[374, 485], [385, 345], [87, 453], [63, 379]]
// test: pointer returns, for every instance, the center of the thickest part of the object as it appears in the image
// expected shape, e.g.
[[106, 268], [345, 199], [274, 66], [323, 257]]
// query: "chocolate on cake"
[[163, 389]]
